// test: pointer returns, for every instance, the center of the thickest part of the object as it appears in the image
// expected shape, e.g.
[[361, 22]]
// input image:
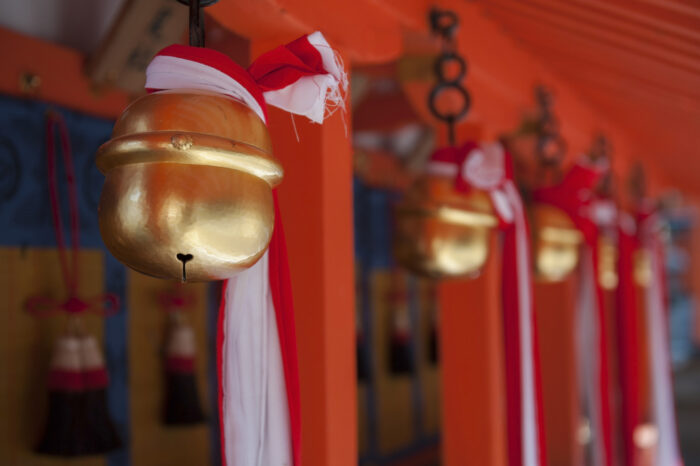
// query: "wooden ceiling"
[[636, 60]]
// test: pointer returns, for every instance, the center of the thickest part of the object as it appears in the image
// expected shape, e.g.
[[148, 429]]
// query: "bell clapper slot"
[[184, 258]]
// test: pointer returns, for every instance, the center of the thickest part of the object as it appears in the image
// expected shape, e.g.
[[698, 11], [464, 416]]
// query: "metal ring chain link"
[[444, 23]]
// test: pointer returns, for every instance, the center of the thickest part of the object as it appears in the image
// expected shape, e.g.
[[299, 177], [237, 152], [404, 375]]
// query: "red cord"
[[106, 303]]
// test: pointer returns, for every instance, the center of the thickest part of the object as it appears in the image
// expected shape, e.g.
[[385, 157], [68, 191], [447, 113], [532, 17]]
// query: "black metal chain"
[[444, 23], [197, 20]]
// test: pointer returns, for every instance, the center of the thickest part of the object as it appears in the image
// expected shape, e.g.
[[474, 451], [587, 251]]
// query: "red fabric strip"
[[574, 196], [179, 365], [219, 367], [604, 365], [286, 64], [281, 287], [511, 333], [219, 61], [628, 352], [539, 396], [659, 273], [401, 337], [96, 378], [65, 380], [510, 291]]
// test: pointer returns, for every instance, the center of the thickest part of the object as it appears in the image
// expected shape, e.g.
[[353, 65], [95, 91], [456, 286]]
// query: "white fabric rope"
[[256, 414]]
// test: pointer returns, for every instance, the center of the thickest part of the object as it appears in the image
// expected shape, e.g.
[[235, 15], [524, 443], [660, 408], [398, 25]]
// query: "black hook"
[[444, 22], [197, 20]]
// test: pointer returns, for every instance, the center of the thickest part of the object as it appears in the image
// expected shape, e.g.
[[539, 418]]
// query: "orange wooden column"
[[473, 379], [554, 308], [316, 203]]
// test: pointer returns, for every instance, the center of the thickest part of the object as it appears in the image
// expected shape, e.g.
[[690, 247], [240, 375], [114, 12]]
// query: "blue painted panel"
[[26, 218]]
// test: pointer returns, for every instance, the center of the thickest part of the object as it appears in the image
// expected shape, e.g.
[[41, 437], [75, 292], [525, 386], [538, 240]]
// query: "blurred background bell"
[[642, 267], [188, 189], [557, 243], [608, 255], [441, 232]]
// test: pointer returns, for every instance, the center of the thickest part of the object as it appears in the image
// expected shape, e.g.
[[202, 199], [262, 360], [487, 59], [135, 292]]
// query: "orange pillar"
[[316, 203], [554, 308], [473, 382]]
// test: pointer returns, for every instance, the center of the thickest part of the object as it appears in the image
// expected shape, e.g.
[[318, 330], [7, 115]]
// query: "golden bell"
[[188, 189], [557, 243], [607, 268], [441, 232], [642, 267]]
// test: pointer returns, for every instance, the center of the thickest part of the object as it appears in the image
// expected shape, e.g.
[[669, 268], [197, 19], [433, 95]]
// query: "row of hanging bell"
[[444, 233]]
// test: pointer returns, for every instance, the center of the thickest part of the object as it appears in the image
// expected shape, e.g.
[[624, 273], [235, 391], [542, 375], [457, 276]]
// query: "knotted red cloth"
[[488, 167], [574, 195]]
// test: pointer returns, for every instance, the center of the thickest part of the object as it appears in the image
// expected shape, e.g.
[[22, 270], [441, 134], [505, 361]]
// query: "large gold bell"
[[443, 233], [557, 243], [188, 189]]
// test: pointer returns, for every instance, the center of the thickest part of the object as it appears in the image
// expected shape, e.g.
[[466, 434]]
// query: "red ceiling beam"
[[575, 46], [671, 93], [548, 50], [662, 22], [640, 93], [539, 19], [668, 155], [684, 9], [616, 24]]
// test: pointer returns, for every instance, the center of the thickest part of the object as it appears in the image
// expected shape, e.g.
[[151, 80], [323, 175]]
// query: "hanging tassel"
[[361, 349], [78, 420], [664, 437], [182, 405], [256, 342], [400, 351], [433, 352], [99, 427], [400, 354], [488, 167], [64, 433]]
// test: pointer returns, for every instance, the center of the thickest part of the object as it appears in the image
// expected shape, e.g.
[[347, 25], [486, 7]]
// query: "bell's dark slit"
[[184, 258]]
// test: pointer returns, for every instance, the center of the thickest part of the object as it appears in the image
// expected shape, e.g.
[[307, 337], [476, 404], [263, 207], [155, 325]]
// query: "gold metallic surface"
[[556, 243], [642, 267], [442, 233], [188, 189], [607, 263]]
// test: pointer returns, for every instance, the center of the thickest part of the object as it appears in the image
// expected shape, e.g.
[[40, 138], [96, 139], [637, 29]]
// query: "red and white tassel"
[[574, 195], [663, 410], [256, 414], [305, 77], [259, 390], [488, 167]]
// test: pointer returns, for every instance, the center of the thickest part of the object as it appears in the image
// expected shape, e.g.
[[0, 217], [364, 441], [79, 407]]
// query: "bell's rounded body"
[[557, 243], [607, 262], [642, 267], [441, 232], [188, 188]]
